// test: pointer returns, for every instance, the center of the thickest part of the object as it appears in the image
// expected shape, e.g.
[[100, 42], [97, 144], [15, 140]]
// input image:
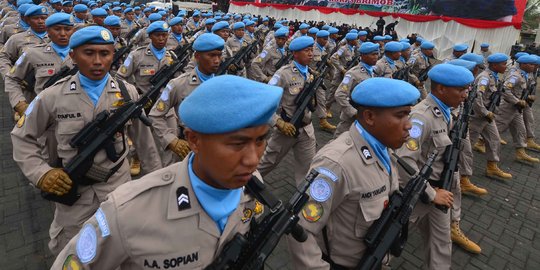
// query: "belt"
[[333, 265]]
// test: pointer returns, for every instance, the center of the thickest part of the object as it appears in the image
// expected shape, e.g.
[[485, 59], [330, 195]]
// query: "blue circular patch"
[[415, 132], [87, 244], [320, 190]]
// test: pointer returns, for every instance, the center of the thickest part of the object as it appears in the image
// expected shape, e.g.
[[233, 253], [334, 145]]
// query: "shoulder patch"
[[274, 80], [320, 190], [102, 223], [127, 62], [87, 244], [328, 173], [21, 58], [165, 94], [415, 132], [312, 211], [484, 82], [417, 121], [340, 51], [31, 106], [346, 79]]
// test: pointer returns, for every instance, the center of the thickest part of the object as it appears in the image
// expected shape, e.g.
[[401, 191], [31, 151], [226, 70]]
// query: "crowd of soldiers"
[[214, 102]]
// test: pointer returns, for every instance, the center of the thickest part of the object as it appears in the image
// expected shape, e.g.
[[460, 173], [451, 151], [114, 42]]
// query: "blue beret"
[[59, 18], [353, 31], [55, 1], [255, 20], [378, 38], [116, 9], [323, 34], [460, 47], [427, 45], [147, 10], [282, 32], [393, 46], [154, 17], [304, 26], [36, 10], [22, 2], [384, 92], [301, 43], [369, 47], [226, 17], [405, 46], [90, 35], [325, 27], [463, 63], [99, 12], [157, 26], [175, 21], [128, 10], [249, 23], [484, 45], [419, 39], [351, 36], [362, 33], [313, 30], [405, 40], [112, 20], [65, 3], [245, 21], [527, 59], [93, 4], [229, 103], [196, 13], [238, 25], [388, 37], [162, 13], [265, 19], [450, 75], [210, 21], [278, 25], [23, 8], [208, 42], [520, 54], [237, 16], [497, 58], [116, 3], [333, 30], [220, 25], [80, 8], [285, 22], [137, 8], [473, 57], [217, 18]]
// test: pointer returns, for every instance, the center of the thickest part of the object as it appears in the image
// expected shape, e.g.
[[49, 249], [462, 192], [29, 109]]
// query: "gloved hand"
[[233, 68], [521, 103], [180, 147], [419, 84], [55, 181], [531, 98], [21, 107], [286, 127], [490, 116]]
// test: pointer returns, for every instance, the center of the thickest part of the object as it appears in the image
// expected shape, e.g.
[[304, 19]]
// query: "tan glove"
[[419, 84], [55, 181], [180, 147], [233, 68], [521, 103], [286, 127], [21, 107], [490, 116], [531, 98]]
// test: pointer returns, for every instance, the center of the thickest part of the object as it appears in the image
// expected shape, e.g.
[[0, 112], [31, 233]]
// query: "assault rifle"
[[62, 73], [237, 58], [390, 231], [526, 93], [285, 59], [132, 33], [495, 99], [402, 74], [120, 54]]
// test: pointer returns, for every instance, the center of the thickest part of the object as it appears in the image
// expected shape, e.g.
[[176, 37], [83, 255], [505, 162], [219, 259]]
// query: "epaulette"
[[132, 189], [65, 79]]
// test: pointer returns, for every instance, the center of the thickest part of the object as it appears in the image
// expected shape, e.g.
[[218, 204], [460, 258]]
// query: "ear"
[[71, 54], [193, 138], [369, 117]]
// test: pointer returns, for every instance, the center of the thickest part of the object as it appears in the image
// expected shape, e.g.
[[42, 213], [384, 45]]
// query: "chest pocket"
[[65, 131], [440, 141], [148, 71], [371, 210], [45, 72]]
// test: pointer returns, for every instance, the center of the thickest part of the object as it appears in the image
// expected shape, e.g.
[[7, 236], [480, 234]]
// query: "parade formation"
[[152, 130]]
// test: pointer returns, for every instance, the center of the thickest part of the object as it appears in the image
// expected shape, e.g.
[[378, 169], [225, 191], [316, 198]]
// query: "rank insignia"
[[72, 263], [149, 71], [412, 144], [248, 213], [73, 86], [20, 123], [437, 111], [182, 197], [295, 90], [312, 211], [259, 208], [365, 151], [160, 106]]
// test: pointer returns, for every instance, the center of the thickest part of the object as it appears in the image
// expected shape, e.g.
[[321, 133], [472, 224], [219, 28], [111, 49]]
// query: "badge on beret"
[[259, 208], [72, 263], [87, 244], [43, 10], [105, 35], [320, 190], [20, 123], [248, 213], [415, 132], [165, 25], [412, 144], [312, 211]]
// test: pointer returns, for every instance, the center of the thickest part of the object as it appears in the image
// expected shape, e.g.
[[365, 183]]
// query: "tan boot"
[[532, 145], [492, 170], [326, 126], [522, 156], [503, 142], [461, 240], [470, 188], [329, 113], [135, 167], [479, 147]]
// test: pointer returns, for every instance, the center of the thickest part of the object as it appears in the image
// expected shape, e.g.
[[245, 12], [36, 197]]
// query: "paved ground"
[[504, 222]]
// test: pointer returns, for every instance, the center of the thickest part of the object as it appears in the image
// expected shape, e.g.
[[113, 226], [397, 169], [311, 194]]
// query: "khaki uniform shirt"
[[191, 25], [263, 66], [349, 194], [232, 46], [172, 42], [141, 39], [418, 64], [487, 86], [15, 47], [341, 58], [352, 78], [514, 84], [171, 234], [383, 68], [125, 28], [318, 56], [8, 31]]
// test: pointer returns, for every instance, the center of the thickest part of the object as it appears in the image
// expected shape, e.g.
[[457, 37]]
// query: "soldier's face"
[[304, 56], [303, 31], [389, 125], [93, 60], [370, 58], [68, 9], [177, 29], [159, 39], [394, 55], [208, 62], [427, 52], [250, 28], [280, 41], [459, 54], [81, 15], [498, 67], [223, 33], [98, 20], [227, 161], [60, 34], [239, 33], [363, 38], [527, 67], [209, 27], [322, 41], [451, 96], [115, 30], [37, 23], [406, 53], [130, 16]]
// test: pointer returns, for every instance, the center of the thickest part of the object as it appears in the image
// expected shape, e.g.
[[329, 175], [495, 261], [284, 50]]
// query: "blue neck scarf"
[[368, 68], [61, 51], [495, 75], [178, 37], [24, 25], [525, 74], [425, 57], [320, 47], [203, 77], [241, 40], [94, 89], [129, 23], [303, 69], [281, 50], [351, 48], [444, 108], [390, 61], [402, 59], [219, 204], [380, 149], [77, 20], [39, 35], [158, 53], [196, 23]]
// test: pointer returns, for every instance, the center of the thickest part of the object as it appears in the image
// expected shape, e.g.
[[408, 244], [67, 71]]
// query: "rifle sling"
[[258, 189]]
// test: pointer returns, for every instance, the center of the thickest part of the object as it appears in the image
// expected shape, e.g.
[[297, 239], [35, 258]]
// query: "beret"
[[484, 45], [519, 54], [527, 59], [238, 25], [148, 9], [112, 20], [117, 9], [237, 16], [427, 45], [250, 23], [323, 34], [137, 8], [497, 58], [217, 18], [220, 25], [99, 12], [116, 3], [450, 75], [265, 19], [278, 25], [90, 35], [405, 46], [22, 2], [36, 10], [384, 92], [162, 13], [304, 26], [210, 21], [281, 32], [228, 103], [378, 38], [196, 13], [393, 46], [333, 30], [325, 27], [362, 33], [128, 10], [405, 40], [369, 47], [208, 42], [80, 8], [245, 21], [66, 3], [226, 17], [175, 21], [351, 36], [388, 37], [463, 63], [419, 39], [313, 30], [284, 21], [55, 1], [301, 43], [473, 57], [60, 18], [353, 31], [247, 17], [93, 4], [23, 8], [255, 20], [157, 26], [154, 17], [460, 47]]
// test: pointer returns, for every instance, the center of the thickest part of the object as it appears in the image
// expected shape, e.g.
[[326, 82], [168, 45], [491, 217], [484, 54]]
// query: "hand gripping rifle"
[[495, 99], [237, 58]]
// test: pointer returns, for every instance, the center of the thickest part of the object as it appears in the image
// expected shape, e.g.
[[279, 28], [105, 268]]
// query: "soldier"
[[405, 53], [420, 65], [431, 121], [176, 38], [302, 31], [301, 139], [509, 115], [262, 32], [141, 39], [459, 50], [193, 23], [319, 52], [312, 32], [528, 117], [208, 51], [387, 65], [208, 24], [66, 108], [263, 66], [56, 6], [113, 24], [484, 50], [117, 11], [381, 41], [222, 29], [369, 53], [80, 14], [342, 58], [67, 7], [269, 37], [352, 167], [143, 20], [362, 37], [9, 30], [129, 23], [233, 45], [99, 15]]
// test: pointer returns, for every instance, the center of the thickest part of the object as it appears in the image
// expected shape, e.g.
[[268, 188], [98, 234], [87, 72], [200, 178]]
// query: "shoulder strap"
[[123, 90]]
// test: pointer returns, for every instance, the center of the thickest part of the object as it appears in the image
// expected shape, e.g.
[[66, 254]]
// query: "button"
[[166, 176], [348, 141]]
